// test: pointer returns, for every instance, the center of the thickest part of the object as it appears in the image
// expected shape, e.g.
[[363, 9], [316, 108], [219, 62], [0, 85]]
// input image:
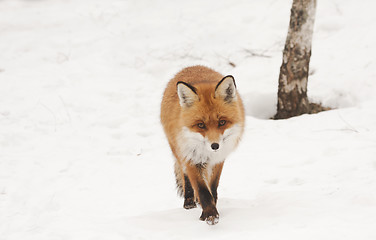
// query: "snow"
[[82, 152]]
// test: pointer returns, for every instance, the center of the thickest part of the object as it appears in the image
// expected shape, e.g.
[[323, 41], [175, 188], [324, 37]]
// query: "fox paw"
[[210, 218], [189, 203]]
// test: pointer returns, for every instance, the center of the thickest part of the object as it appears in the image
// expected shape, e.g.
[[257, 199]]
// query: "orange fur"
[[208, 109]]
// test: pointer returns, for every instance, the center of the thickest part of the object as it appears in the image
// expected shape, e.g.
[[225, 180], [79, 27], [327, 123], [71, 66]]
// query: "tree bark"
[[293, 76]]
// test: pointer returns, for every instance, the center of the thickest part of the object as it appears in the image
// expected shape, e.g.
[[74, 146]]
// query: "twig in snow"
[[66, 109], [254, 54], [349, 126]]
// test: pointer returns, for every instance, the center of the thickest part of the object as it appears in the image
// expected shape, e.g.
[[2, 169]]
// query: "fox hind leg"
[[179, 179]]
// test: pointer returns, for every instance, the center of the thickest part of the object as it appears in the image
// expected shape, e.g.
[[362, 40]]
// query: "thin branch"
[[254, 54]]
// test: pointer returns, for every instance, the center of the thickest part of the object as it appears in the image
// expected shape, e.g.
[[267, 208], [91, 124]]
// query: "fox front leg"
[[206, 199], [214, 181], [189, 197], [209, 211]]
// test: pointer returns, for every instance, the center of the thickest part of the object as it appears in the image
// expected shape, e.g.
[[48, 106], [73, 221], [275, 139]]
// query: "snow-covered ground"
[[82, 152]]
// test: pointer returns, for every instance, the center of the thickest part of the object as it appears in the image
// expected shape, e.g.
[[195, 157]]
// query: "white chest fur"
[[196, 148]]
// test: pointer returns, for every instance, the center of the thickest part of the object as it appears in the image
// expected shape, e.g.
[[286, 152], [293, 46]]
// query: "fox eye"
[[221, 123], [201, 125]]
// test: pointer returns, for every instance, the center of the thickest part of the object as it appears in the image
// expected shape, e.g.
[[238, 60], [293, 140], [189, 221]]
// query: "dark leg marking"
[[189, 196]]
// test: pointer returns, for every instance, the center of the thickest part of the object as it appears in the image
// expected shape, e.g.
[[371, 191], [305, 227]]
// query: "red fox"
[[203, 118]]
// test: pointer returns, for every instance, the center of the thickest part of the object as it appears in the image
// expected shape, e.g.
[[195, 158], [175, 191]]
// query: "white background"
[[82, 152]]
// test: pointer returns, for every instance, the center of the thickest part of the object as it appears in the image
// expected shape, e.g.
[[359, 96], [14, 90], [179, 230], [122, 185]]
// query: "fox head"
[[212, 119]]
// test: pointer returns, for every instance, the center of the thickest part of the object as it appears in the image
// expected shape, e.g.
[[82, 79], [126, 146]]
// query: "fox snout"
[[213, 140]]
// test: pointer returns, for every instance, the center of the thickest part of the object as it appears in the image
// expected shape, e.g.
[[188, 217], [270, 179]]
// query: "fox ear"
[[187, 94], [226, 89]]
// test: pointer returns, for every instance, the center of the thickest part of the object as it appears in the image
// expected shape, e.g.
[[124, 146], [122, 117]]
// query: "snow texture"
[[82, 152]]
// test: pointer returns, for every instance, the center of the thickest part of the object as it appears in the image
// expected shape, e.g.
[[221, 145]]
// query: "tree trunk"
[[293, 76]]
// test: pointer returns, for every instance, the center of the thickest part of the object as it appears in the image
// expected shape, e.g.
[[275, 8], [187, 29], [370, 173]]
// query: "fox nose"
[[215, 146]]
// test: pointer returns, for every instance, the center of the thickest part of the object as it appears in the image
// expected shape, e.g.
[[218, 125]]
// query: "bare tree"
[[293, 76]]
